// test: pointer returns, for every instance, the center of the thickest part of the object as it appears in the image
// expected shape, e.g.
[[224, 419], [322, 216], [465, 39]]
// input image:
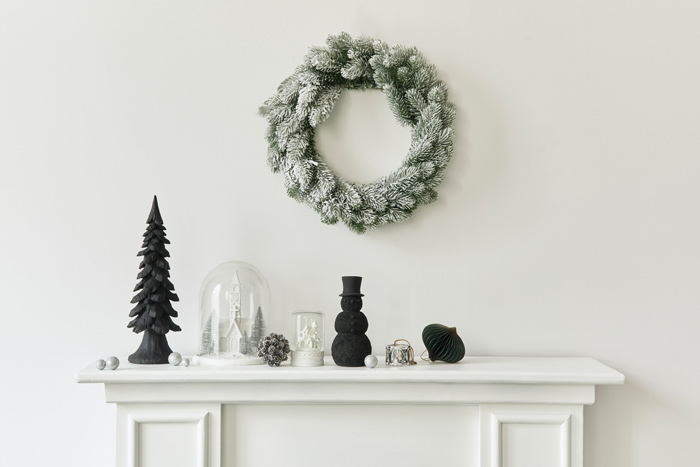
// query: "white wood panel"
[[166, 435], [523, 440], [527, 444], [172, 443], [531, 435], [350, 436]]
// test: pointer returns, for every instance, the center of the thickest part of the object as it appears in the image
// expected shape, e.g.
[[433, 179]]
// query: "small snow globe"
[[234, 303], [307, 340]]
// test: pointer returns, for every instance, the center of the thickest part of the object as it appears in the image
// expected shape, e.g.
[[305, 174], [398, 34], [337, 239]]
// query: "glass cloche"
[[233, 305]]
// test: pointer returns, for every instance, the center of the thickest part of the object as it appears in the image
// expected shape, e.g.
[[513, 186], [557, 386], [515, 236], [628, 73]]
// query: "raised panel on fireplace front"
[[350, 435], [168, 435], [526, 436]]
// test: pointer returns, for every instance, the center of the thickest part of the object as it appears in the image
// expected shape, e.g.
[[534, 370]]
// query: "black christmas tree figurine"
[[153, 311], [351, 345]]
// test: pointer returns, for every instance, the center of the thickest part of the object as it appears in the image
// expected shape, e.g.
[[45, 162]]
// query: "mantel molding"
[[474, 380], [471, 370]]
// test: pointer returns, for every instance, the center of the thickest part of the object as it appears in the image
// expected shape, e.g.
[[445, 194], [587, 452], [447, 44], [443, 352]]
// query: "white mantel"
[[483, 411]]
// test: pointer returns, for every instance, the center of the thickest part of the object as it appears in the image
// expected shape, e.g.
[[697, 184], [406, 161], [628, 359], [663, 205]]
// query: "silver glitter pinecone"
[[273, 349]]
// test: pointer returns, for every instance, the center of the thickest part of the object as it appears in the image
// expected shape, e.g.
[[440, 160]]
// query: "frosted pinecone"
[[273, 349]]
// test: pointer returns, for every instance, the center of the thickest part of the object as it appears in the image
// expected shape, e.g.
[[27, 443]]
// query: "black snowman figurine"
[[351, 345]]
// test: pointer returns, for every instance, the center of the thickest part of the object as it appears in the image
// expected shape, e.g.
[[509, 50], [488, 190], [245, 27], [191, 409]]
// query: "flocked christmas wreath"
[[305, 99]]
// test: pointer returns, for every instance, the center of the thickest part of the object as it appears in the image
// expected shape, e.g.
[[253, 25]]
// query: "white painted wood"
[[352, 436], [526, 435], [486, 412], [500, 370], [168, 435], [137, 442], [504, 453], [352, 393]]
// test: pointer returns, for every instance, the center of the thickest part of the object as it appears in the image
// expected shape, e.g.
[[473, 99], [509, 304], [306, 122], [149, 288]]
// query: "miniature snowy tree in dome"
[[258, 331]]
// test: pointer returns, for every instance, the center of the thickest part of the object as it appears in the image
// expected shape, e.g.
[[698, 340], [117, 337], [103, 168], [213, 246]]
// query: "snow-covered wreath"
[[304, 100]]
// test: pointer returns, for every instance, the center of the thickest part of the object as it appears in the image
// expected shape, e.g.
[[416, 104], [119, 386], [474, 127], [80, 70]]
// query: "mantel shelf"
[[487, 370]]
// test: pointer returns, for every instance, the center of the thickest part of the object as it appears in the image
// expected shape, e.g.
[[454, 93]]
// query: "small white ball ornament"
[[100, 364], [112, 363], [185, 362], [370, 361], [175, 359]]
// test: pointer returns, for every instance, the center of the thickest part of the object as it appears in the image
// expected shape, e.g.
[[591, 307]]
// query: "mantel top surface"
[[491, 370]]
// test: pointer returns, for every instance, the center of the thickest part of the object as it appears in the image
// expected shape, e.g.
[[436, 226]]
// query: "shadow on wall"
[[612, 426]]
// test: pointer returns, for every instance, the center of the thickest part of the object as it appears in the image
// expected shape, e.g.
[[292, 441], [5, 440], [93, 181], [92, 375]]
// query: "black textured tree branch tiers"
[[153, 312]]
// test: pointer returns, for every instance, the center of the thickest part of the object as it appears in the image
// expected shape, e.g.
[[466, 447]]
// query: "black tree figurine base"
[[154, 349], [153, 312], [351, 345]]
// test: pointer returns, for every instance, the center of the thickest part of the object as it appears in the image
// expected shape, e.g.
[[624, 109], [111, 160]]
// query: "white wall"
[[567, 224]]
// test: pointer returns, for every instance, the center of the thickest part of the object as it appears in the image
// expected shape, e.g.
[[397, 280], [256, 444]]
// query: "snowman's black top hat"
[[351, 286]]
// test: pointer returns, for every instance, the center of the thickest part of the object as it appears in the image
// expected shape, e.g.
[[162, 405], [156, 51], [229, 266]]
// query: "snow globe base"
[[307, 358], [226, 361]]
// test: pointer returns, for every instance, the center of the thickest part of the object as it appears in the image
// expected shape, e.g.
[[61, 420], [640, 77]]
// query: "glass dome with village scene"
[[233, 304]]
